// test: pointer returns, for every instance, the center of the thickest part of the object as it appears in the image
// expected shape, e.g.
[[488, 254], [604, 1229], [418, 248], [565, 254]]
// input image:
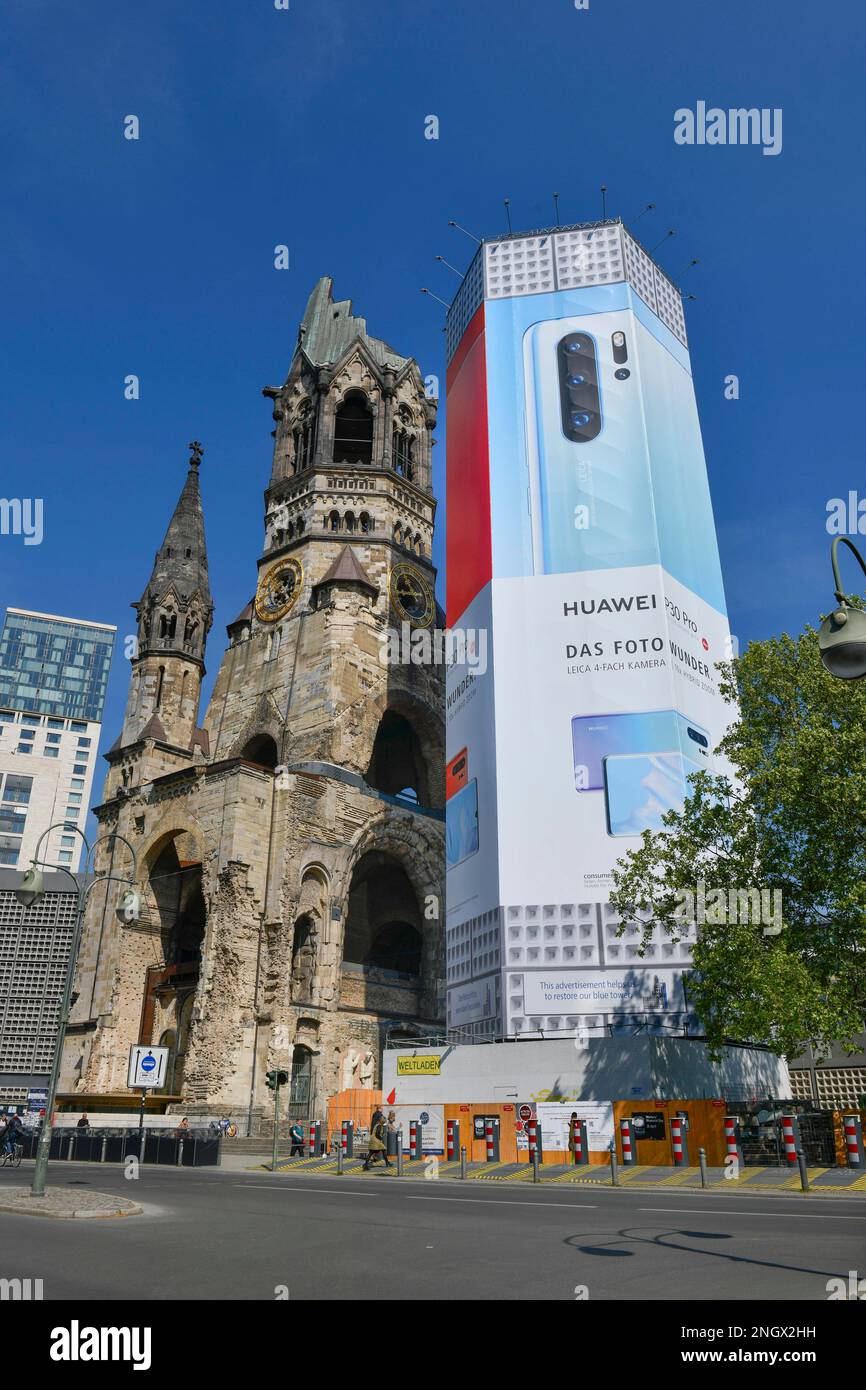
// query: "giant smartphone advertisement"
[[597, 569]]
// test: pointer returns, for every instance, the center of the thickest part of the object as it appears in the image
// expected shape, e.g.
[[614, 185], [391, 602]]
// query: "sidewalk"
[[835, 1182]]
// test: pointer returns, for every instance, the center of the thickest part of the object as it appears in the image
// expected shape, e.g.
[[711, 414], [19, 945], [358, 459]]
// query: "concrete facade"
[[290, 849]]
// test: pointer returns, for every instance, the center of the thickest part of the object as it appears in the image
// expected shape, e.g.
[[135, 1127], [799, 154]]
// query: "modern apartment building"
[[53, 680]]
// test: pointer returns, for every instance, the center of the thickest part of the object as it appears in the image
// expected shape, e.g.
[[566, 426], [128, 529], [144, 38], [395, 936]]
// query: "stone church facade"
[[290, 847]]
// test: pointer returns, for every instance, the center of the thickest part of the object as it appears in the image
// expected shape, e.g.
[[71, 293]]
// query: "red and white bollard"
[[679, 1142], [581, 1147], [491, 1140], [416, 1138], [627, 1141], [534, 1135], [452, 1140], [853, 1132], [347, 1138], [733, 1146], [314, 1138], [790, 1139]]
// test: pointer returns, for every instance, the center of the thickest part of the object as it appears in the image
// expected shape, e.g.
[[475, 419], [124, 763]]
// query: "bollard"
[[340, 1157], [452, 1140], [536, 1141], [314, 1138], [790, 1139], [581, 1147], [463, 1161], [399, 1155], [491, 1140], [679, 1143], [702, 1160], [536, 1176], [614, 1172], [804, 1176], [347, 1139], [179, 1160], [104, 1148], [70, 1146], [853, 1132], [627, 1139], [416, 1139], [733, 1143]]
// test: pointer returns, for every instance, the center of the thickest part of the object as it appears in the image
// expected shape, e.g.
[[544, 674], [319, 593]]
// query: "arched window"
[[290, 530], [262, 750], [190, 631], [159, 680], [383, 922], [419, 550], [353, 430], [334, 521], [398, 534], [167, 624], [397, 765], [365, 523], [349, 521], [300, 526]]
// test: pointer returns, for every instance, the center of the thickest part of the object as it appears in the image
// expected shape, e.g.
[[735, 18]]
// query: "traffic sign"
[[147, 1067], [525, 1112]]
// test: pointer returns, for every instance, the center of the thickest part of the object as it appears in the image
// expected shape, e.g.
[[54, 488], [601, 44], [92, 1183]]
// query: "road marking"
[[504, 1202], [329, 1191], [797, 1215]]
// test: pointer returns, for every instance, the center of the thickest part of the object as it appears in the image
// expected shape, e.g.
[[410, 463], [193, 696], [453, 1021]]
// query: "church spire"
[[175, 614], [181, 561]]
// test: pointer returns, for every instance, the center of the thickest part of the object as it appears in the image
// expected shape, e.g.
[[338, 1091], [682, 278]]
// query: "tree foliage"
[[790, 818]]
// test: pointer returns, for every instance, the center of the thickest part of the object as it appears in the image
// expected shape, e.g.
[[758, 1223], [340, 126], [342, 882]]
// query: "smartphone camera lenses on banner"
[[578, 387]]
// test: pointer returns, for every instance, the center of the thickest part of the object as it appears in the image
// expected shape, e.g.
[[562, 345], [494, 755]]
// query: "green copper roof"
[[329, 327]]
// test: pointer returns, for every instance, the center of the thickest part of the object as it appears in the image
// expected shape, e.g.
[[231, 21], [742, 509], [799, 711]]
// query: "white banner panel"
[[602, 991]]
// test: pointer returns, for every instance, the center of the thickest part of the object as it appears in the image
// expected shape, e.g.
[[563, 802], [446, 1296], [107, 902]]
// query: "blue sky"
[[306, 127]]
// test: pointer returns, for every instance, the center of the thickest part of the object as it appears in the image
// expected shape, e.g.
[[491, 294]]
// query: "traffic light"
[[276, 1078]]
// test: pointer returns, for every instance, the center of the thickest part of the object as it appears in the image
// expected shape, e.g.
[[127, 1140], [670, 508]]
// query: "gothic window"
[[353, 430], [365, 523], [159, 680], [383, 920], [190, 632], [403, 446], [167, 624], [397, 762], [398, 534], [419, 549]]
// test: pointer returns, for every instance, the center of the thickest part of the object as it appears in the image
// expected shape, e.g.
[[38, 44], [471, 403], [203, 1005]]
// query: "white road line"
[[734, 1211], [329, 1191], [506, 1202]]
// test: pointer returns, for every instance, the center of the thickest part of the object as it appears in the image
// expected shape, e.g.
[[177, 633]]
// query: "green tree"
[[792, 818]]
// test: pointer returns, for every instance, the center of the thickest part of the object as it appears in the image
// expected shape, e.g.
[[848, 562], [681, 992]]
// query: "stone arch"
[[407, 748], [174, 894], [262, 750]]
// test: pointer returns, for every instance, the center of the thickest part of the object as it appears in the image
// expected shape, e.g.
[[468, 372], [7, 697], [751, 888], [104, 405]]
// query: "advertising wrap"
[[584, 549]]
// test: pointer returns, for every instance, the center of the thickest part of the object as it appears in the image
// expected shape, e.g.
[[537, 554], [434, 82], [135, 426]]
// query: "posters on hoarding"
[[432, 1118], [554, 1117]]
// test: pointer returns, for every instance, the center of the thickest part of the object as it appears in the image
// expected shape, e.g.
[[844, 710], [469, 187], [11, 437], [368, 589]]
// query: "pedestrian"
[[83, 1123], [377, 1144], [572, 1136], [296, 1140], [225, 1124], [182, 1128]]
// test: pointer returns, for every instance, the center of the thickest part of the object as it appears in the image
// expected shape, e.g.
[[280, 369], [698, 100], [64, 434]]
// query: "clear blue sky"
[[306, 127]]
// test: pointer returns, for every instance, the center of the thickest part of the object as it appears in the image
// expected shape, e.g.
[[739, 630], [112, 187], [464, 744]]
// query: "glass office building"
[[57, 666], [53, 681]]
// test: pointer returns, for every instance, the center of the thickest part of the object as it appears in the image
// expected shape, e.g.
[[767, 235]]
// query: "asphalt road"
[[208, 1234]]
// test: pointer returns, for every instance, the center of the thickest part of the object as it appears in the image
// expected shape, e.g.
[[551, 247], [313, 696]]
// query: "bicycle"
[[14, 1157]]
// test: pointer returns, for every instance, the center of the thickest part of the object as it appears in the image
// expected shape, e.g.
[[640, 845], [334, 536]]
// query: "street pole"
[[276, 1125], [141, 1135]]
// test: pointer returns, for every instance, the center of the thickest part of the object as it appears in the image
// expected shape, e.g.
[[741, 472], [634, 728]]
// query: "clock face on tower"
[[412, 596], [278, 590]]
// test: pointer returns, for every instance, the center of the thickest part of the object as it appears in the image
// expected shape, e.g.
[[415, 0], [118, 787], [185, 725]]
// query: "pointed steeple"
[[181, 561]]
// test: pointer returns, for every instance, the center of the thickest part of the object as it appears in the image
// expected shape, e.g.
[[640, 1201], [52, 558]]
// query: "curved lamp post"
[[128, 909], [842, 634]]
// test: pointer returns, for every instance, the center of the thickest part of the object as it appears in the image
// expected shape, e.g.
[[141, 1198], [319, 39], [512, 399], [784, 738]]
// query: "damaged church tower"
[[290, 850]]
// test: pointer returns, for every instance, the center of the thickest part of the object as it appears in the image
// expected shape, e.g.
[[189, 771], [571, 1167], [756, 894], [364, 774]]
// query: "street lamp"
[[842, 634], [128, 909]]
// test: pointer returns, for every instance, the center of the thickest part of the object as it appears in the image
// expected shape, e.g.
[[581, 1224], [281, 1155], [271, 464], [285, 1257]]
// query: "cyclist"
[[12, 1135]]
